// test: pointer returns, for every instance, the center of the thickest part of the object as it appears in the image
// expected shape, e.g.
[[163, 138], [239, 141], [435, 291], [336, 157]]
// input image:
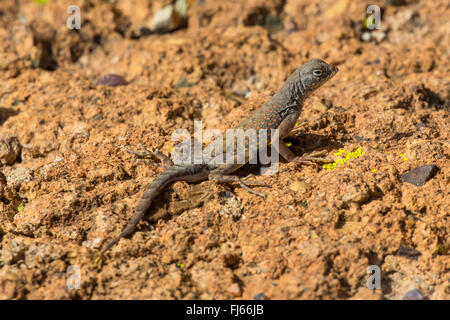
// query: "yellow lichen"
[[349, 155], [21, 207]]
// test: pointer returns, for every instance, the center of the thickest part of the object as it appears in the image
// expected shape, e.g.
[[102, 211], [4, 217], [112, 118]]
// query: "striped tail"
[[174, 173]]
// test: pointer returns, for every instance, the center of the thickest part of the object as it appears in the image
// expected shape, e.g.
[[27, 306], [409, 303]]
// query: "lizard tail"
[[174, 173]]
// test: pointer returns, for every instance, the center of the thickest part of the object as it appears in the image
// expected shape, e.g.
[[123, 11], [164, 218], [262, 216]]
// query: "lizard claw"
[[245, 186], [242, 184], [313, 157], [254, 183], [166, 162], [298, 127]]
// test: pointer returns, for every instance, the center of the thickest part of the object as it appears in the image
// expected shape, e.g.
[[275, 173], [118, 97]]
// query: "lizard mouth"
[[334, 70]]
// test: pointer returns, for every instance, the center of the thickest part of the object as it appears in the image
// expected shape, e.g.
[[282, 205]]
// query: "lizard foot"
[[298, 127], [312, 157], [254, 183], [243, 184], [166, 162]]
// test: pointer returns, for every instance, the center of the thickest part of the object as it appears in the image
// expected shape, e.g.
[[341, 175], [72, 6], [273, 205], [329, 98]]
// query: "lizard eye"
[[317, 72]]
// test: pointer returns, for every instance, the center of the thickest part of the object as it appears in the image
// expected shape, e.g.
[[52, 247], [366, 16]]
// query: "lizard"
[[279, 112]]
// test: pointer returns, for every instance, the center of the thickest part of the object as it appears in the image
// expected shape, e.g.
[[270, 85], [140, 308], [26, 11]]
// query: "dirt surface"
[[66, 186]]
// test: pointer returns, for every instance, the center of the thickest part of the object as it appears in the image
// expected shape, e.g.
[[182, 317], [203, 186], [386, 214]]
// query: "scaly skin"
[[280, 112]]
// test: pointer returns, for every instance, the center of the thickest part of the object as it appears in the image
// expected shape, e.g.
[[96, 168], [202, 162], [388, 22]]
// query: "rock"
[[366, 37], [338, 8], [319, 106], [9, 204], [379, 36], [356, 193], [408, 252], [260, 296], [273, 23], [235, 289], [164, 19], [414, 294], [112, 80], [420, 126], [34, 214], [418, 176], [184, 83], [92, 244], [181, 7], [19, 176], [300, 186], [10, 149], [13, 252], [170, 18], [231, 207], [6, 192]]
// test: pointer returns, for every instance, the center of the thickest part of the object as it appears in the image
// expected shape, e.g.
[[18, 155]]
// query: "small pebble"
[[98, 116], [235, 289], [319, 106], [418, 176], [112, 80], [300, 187], [421, 126], [170, 17], [10, 149], [365, 37], [260, 296], [414, 294], [408, 252], [378, 35], [228, 194], [19, 176]]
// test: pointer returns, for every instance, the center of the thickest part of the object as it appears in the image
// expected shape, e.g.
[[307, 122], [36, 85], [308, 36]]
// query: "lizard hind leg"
[[242, 183]]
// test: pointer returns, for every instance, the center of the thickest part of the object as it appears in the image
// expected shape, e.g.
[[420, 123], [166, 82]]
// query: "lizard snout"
[[334, 69]]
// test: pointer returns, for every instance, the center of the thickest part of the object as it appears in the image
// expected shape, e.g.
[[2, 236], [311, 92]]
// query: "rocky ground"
[[66, 186]]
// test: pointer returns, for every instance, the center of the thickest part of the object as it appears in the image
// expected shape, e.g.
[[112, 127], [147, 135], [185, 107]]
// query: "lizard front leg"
[[306, 158], [285, 128]]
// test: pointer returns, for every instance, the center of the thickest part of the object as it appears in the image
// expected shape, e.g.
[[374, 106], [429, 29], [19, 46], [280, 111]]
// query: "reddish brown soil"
[[72, 187]]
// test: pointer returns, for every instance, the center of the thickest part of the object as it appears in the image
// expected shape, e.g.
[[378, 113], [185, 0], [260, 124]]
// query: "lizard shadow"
[[307, 142]]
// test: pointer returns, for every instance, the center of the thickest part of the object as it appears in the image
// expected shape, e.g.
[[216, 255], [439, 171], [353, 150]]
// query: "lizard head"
[[310, 76]]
